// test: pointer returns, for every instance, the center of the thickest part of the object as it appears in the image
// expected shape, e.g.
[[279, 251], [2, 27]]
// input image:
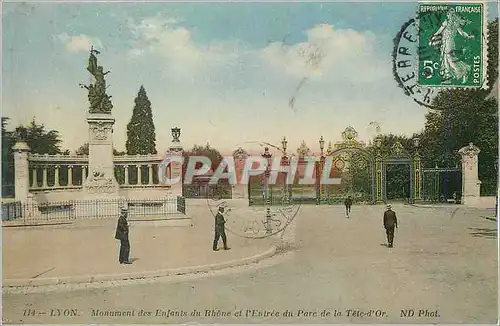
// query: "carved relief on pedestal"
[[99, 183], [100, 131], [19, 166], [469, 155]]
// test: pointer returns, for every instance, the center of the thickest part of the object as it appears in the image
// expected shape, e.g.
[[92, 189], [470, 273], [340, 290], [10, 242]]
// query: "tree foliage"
[[141, 135], [39, 140]]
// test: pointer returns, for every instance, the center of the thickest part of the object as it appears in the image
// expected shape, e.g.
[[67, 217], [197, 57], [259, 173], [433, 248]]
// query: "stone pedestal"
[[471, 186], [21, 171], [101, 182]]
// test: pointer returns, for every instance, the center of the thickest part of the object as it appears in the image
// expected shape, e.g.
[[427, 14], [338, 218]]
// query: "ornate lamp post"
[[416, 171], [378, 170], [321, 167], [267, 156], [284, 161]]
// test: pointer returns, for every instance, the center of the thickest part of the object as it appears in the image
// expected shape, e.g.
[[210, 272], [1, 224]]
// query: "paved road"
[[443, 266]]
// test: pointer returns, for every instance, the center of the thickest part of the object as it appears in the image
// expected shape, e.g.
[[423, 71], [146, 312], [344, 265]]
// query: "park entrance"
[[385, 171]]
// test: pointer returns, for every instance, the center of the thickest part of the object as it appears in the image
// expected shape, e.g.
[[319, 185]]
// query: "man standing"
[[390, 222], [348, 204], [122, 235], [220, 229]]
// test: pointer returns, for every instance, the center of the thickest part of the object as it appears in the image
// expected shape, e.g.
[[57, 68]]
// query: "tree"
[[222, 189], [7, 160], [38, 139], [141, 130]]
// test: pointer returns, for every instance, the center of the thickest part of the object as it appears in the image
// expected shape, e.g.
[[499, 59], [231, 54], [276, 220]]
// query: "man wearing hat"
[[122, 235], [220, 229], [390, 222]]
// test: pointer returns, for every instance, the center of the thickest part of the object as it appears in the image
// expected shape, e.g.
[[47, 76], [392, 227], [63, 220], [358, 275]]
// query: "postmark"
[[451, 44], [256, 222], [405, 65]]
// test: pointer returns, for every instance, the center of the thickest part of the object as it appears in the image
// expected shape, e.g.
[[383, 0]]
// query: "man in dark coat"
[[220, 230], [122, 235], [348, 204], [390, 223]]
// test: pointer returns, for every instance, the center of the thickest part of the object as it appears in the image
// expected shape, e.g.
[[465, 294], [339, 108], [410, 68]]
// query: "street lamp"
[[284, 142], [321, 145], [267, 156]]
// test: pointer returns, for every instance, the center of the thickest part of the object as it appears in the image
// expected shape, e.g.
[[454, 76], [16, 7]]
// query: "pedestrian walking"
[[220, 231], [348, 204], [122, 230], [390, 223]]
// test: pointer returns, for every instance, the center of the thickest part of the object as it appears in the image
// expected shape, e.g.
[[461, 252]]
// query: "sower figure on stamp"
[[390, 223], [348, 204], [122, 234], [220, 229]]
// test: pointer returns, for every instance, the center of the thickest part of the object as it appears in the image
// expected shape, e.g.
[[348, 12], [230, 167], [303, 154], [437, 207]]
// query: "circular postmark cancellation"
[[405, 65], [443, 47], [259, 221]]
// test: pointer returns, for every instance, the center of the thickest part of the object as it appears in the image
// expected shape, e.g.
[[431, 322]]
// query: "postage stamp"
[[452, 41], [249, 162]]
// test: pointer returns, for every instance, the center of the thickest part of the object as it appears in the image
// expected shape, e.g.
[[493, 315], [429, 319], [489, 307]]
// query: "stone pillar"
[[101, 175], [240, 189], [56, 176], [126, 174], [150, 174], [471, 186], [174, 169], [70, 175], [21, 171], [84, 173], [35, 178], [139, 174], [44, 177]]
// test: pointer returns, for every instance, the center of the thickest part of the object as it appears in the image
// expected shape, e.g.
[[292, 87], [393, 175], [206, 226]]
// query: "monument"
[[101, 177]]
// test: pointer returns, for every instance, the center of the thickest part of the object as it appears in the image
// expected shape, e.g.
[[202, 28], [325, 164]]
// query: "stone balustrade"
[[61, 172], [137, 170]]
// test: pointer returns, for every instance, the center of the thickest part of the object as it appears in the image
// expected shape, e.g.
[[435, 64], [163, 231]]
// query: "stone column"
[[21, 171], [84, 173], [174, 169], [150, 171], [240, 189], [126, 174], [56, 176], [471, 186], [70, 175], [44, 177], [35, 177], [139, 174]]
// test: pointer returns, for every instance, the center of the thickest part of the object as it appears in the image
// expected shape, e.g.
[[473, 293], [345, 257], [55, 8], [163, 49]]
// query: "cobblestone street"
[[443, 267]]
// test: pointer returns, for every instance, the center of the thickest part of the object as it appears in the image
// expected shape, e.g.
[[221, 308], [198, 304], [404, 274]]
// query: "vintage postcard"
[[250, 162]]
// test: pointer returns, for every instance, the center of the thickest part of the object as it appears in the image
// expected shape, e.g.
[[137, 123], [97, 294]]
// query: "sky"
[[222, 72]]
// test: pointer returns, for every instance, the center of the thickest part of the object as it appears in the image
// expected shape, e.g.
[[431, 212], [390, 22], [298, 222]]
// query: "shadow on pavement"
[[383, 245], [484, 233]]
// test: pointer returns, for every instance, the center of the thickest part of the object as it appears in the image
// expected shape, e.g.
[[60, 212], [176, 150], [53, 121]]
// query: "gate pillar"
[[471, 186]]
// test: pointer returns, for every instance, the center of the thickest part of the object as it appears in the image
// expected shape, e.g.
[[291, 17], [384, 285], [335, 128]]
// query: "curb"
[[138, 275]]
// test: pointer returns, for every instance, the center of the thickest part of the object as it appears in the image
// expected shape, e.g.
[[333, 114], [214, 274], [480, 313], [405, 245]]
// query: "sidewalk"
[[87, 251]]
